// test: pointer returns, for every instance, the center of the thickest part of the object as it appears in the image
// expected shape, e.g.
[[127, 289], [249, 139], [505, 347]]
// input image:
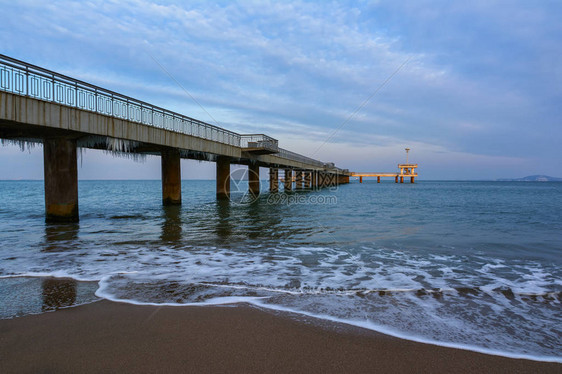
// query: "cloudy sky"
[[474, 88]]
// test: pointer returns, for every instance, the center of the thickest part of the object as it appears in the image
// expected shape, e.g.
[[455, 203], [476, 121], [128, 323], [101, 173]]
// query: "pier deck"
[[406, 170], [64, 114]]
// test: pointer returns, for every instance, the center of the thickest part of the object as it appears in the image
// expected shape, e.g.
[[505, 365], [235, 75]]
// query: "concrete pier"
[[223, 177], [61, 180], [171, 177], [307, 179], [406, 170], [254, 179], [273, 180], [83, 115], [298, 180], [288, 182], [325, 179], [314, 179]]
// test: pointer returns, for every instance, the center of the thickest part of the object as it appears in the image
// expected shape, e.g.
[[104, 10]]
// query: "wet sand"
[[120, 338]]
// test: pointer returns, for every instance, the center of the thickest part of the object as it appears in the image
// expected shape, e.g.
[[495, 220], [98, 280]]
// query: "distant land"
[[532, 178]]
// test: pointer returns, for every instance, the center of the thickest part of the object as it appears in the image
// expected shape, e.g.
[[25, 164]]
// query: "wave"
[[120, 287]]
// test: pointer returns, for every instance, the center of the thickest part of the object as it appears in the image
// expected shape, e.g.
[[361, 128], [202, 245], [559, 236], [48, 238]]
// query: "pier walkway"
[[406, 170], [41, 106]]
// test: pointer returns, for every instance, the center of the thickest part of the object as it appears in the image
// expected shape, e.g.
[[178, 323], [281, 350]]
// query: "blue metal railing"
[[25, 79], [300, 158]]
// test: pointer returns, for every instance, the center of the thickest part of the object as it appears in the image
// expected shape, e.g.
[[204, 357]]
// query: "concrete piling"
[[254, 179], [171, 177], [273, 180], [307, 179], [61, 180], [288, 182], [314, 179], [298, 180], [223, 177]]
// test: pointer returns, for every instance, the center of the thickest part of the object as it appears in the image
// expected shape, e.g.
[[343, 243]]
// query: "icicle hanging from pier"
[[113, 146], [23, 144]]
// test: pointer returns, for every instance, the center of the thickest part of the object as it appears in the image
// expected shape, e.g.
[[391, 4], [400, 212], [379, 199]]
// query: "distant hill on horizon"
[[532, 178]]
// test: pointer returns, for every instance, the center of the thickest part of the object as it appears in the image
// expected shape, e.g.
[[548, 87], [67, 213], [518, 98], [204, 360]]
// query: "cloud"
[[483, 78]]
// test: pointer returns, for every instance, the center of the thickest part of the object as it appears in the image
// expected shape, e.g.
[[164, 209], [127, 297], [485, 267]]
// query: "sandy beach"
[[113, 337]]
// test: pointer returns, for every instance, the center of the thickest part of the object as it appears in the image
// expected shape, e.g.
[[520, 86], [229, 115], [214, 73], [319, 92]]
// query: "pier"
[[406, 170], [64, 114]]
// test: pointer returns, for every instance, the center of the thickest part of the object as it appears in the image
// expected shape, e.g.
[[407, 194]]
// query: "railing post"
[[27, 81]]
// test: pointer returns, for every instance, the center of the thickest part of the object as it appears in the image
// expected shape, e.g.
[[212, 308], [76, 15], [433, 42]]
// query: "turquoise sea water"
[[475, 265]]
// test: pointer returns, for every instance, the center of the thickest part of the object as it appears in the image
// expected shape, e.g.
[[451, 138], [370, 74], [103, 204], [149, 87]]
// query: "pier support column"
[[307, 179], [396, 179], [223, 177], [273, 180], [324, 180], [314, 180], [288, 183], [378, 179], [171, 177], [254, 179], [61, 180], [401, 179], [298, 180], [411, 179], [360, 179]]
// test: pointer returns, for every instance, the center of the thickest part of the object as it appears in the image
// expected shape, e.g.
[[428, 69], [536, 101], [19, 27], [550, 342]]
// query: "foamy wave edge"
[[100, 292], [256, 301]]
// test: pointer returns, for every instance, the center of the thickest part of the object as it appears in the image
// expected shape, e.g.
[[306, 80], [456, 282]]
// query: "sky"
[[473, 88]]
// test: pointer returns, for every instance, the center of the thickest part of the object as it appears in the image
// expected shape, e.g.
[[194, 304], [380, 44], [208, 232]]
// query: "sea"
[[464, 264]]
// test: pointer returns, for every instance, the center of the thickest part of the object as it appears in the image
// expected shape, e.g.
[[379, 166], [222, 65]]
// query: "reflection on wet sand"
[[171, 226], [59, 292]]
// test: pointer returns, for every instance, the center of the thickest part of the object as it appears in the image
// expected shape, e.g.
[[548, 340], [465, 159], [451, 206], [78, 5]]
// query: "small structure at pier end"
[[406, 170]]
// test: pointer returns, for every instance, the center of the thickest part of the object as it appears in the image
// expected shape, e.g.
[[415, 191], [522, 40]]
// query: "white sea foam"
[[432, 299]]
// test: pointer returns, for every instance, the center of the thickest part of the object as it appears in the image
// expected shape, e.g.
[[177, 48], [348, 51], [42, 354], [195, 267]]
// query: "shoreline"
[[106, 336]]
